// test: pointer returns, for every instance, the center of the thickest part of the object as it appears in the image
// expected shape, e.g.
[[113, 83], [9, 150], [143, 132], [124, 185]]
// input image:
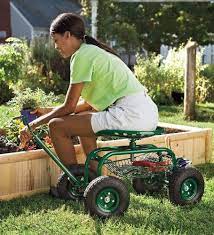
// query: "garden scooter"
[[150, 169]]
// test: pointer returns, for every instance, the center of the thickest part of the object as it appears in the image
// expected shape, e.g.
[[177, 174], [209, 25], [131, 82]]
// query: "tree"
[[155, 23], [127, 37]]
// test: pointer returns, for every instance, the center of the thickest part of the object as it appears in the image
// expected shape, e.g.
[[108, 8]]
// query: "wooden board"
[[26, 173]]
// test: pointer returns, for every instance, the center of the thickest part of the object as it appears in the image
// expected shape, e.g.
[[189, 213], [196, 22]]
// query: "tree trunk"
[[189, 85]]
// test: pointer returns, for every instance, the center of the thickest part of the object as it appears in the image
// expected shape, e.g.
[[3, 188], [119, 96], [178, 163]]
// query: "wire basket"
[[140, 165]]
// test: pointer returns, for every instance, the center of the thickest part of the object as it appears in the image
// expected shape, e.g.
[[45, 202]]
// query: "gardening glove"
[[24, 137], [41, 111]]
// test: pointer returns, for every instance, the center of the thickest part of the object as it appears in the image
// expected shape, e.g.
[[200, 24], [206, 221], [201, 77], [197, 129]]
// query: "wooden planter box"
[[26, 173]]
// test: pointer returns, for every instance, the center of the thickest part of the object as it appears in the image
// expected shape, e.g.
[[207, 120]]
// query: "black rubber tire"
[[175, 185], [98, 186], [142, 186], [63, 183]]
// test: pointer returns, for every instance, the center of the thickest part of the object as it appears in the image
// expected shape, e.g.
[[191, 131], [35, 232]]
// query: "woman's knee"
[[54, 124]]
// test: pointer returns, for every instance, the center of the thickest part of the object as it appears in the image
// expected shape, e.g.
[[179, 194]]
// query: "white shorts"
[[135, 112]]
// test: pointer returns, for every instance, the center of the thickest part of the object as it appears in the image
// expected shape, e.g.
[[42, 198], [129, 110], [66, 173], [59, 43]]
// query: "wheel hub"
[[189, 189], [108, 200]]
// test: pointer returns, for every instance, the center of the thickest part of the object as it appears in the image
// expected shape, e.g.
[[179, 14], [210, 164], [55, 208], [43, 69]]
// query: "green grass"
[[204, 116], [146, 215], [174, 114], [42, 214]]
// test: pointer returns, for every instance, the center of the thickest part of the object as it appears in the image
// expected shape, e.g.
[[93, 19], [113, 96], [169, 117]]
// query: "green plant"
[[32, 99], [207, 71], [6, 92], [13, 129], [14, 56], [49, 71], [36, 78], [174, 68], [37, 66], [164, 76], [7, 146], [154, 78], [24, 100], [28, 103]]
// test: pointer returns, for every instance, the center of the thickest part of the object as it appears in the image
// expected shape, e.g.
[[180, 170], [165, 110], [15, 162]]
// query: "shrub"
[[53, 71], [38, 66], [174, 68], [24, 100], [6, 92], [153, 76], [13, 129], [14, 56], [207, 71], [32, 99], [163, 77], [35, 79]]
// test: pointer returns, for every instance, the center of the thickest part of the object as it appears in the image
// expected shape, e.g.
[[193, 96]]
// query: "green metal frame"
[[132, 149], [113, 151], [55, 158]]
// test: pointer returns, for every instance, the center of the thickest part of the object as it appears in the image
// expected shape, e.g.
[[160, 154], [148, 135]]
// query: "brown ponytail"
[[91, 40], [75, 25]]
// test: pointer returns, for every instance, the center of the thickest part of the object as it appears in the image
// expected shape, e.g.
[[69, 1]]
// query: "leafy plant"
[[207, 71], [32, 99], [49, 71], [13, 129], [5, 91], [14, 56], [164, 76], [154, 78], [7, 146], [25, 100], [36, 66]]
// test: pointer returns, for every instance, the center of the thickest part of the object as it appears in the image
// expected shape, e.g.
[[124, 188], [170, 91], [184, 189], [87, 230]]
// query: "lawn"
[[42, 214]]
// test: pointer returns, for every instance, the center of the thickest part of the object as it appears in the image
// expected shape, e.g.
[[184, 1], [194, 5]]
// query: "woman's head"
[[68, 22], [67, 31]]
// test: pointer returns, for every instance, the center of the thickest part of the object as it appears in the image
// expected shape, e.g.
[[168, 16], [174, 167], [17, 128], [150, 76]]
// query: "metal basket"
[[126, 167]]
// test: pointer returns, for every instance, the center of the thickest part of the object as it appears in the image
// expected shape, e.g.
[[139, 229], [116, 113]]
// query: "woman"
[[105, 83]]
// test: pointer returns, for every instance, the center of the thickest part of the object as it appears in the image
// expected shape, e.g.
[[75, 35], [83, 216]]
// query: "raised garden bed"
[[26, 173]]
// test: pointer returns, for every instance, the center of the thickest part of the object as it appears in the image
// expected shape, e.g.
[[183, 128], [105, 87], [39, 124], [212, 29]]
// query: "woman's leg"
[[89, 144], [63, 128]]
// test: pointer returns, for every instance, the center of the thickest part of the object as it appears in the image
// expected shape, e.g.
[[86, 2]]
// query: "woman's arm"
[[41, 111], [68, 107], [82, 106]]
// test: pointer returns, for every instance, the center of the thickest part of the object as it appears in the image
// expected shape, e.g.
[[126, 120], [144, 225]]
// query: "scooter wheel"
[[186, 186], [106, 196], [143, 186], [65, 188]]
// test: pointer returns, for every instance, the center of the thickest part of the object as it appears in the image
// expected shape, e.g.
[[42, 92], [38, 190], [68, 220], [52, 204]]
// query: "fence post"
[[189, 83]]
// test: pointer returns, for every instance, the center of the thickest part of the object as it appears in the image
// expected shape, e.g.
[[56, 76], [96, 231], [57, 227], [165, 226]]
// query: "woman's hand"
[[25, 137], [41, 111]]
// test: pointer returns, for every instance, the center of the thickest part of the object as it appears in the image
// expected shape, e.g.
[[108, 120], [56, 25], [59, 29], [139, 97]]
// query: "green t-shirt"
[[106, 77]]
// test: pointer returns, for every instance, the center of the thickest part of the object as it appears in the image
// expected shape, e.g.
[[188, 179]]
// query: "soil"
[[75, 140], [172, 130]]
